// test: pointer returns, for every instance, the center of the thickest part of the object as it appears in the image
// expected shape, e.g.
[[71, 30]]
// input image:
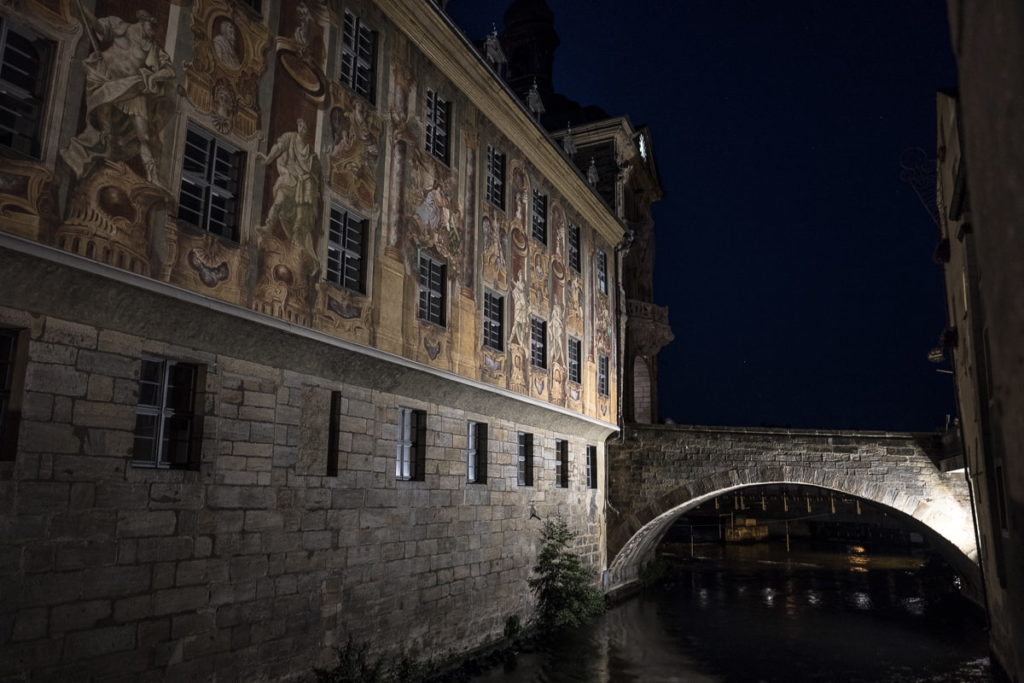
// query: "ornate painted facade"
[[305, 325]]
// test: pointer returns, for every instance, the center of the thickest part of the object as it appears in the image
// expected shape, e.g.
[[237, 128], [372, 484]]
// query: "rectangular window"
[[358, 56], [24, 65], [167, 430], [438, 125], [476, 453], [574, 247], [540, 217], [333, 437], [562, 464], [575, 365], [524, 460], [345, 250], [592, 467], [602, 272], [12, 371], [538, 342], [602, 375], [495, 191], [433, 282], [210, 184], [494, 321], [410, 454]]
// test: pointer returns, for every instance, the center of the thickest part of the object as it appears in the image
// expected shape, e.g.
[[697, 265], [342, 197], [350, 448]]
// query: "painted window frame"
[[494, 320], [497, 166], [358, 70], [575, 248], [539, 217], [575, 356], [23, 105], [433, 290], [538, 342], [437, 117], [345, 227], [211, 186], [602, 271], [602, 375]]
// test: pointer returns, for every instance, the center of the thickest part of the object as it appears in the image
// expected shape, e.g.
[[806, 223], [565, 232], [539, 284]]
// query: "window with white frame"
[[538, 342], [438, 126], [562, 463], [410, 451], [433, 282], [494, 321], [211, 178], [346, 239], [167, 425], [575, 363], [24, 72], [476, 453], [592, 467], [524, 460], [495, 190], [602, 375], [602, 272], [540, 217], [358, 56]]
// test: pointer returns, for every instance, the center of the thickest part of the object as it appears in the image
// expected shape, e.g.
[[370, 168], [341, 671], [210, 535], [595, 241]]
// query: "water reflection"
[[757, 614]]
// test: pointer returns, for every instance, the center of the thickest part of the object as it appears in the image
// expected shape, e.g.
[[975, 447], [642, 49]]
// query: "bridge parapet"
[[661, 471]]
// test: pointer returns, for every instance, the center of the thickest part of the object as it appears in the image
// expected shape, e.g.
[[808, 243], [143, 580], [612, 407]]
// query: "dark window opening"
[[210, 184]]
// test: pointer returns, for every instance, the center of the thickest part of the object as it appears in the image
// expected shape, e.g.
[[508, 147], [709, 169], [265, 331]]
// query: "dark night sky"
[[796, 264]]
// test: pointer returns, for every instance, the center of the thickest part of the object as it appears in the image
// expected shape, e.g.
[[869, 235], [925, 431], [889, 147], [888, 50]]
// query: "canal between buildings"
[[758, 613]]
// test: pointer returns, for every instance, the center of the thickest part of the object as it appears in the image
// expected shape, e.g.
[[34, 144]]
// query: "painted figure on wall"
[[129, 80], [225, 44], [297, 188], [303, 32], [353, 158]]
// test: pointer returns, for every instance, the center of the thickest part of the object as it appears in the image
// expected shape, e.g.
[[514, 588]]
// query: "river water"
[[758, 613]]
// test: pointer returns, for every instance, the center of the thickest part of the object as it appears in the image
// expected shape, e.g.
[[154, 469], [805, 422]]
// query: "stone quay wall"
[[256, 565]]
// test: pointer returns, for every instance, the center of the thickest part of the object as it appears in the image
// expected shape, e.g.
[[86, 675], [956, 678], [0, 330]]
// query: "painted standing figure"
[[297, 188], [127, 93]]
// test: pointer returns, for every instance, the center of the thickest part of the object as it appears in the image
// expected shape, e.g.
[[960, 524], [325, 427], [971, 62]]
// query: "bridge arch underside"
[[943, 520]]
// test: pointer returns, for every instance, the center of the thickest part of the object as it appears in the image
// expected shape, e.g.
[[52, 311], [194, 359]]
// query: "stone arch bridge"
[[658, 472]]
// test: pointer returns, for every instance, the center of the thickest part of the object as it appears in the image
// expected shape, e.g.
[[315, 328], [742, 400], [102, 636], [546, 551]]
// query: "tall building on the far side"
[[980, 200]]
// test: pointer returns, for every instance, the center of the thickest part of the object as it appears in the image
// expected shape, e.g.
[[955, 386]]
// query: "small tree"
[[566, 595]]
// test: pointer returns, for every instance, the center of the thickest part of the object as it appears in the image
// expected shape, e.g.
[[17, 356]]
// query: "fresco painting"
[[113, 197], [222, 79]]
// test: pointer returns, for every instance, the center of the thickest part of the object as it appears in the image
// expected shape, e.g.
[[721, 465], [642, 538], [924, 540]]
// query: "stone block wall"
[[256, 564], [661, 471]]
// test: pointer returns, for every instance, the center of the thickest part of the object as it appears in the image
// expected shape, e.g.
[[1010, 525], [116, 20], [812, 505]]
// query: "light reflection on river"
[[756, 613]]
